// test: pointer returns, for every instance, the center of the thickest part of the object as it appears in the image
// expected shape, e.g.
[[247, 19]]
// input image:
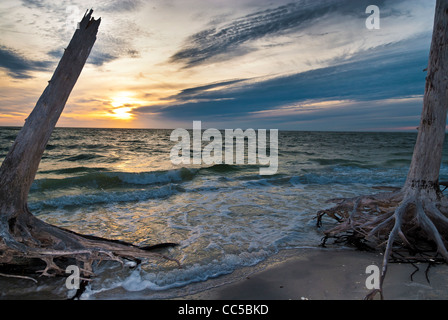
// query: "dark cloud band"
[[18, 66], [293, 17]]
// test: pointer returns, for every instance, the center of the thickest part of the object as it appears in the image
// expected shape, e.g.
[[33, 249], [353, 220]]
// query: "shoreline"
[[325, 274], [293, 274]]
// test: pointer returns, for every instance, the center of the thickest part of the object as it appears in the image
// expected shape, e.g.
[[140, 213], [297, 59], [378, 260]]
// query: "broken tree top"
[[88, 20]]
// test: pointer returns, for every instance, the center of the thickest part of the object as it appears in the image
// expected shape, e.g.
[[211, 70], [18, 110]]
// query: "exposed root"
[[24, 238], [30, 239], [50, 266], [17, 276], [421, 257], [415, 222]]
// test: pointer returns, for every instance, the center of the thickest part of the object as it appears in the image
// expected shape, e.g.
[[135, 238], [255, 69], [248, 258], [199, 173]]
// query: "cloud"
[[346, 115], [122, 5], [194, 92], [392, 71], [98, 58], [114, 41], [108, 49], [229, 38], [276, 54], [18, 66], [107, 6], [34, 3]]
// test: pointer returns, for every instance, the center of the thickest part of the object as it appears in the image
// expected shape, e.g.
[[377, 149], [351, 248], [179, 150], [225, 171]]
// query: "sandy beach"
[[320, 274], [297, 274]]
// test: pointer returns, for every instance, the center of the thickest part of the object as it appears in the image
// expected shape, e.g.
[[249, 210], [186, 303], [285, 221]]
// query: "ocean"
[[121, 184]]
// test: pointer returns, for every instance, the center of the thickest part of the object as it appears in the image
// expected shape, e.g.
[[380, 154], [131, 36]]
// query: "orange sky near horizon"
[[164, 64]]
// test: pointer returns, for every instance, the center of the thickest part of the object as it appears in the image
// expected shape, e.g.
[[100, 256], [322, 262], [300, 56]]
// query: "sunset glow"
[[122, 113], [228, 63]]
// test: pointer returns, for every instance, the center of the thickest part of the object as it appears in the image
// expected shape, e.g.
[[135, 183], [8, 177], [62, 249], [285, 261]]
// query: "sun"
[[122, 98], [122, 105], [122, 113]]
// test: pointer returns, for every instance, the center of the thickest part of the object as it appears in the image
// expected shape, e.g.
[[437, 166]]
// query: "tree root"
[[24, 238], [415, 221], [17, 276], [29, 238]]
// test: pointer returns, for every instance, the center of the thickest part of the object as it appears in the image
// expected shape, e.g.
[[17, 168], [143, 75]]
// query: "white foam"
[[140, 280]]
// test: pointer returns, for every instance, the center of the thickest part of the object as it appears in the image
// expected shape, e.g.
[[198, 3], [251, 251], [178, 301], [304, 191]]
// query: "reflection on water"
[[120, 184]]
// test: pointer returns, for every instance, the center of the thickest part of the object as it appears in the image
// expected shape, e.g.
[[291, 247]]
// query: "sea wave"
[[342, 175], [102, 197], [140, 280], [73, 170], [223, 168], [107, 179], [82, 157], [336, 161], [243, 175], [397, 162]]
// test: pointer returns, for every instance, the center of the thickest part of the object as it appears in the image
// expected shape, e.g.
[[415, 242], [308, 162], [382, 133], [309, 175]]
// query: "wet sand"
[[321, 274], [311, 273]]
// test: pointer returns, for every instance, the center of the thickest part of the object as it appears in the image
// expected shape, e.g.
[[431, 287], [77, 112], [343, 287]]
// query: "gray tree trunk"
[[21, 163], [426, 160], [23, 236]]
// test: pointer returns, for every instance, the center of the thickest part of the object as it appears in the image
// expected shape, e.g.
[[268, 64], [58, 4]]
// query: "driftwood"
[[414, 217], [23, 237]]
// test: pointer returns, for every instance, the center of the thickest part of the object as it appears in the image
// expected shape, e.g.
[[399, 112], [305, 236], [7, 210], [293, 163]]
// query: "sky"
[[263, 64]]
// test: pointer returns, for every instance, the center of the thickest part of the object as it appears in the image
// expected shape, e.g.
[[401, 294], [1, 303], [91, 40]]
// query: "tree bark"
[[23, 236], [427, 156], [19, 168], [414, 218]]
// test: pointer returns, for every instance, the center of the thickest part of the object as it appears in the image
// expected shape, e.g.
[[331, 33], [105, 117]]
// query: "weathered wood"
[[19, 168], [427, 156], [416, 216], [23, 236]]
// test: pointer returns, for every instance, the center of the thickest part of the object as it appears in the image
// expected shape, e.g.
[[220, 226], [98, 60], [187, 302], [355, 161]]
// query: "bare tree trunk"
[[20, 165], [427, 157], [21, 234], [415, 217]]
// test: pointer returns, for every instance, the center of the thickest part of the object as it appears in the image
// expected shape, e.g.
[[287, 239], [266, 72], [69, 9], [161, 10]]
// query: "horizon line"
[[280, 130]]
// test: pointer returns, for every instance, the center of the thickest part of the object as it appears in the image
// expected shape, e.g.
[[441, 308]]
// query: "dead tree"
[[22, 235], [416, 216]]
